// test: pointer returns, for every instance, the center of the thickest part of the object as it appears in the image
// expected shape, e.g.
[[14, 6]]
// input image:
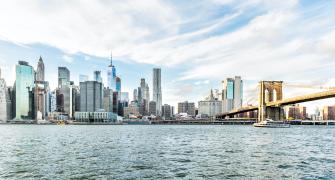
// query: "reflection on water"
[[171, 151]]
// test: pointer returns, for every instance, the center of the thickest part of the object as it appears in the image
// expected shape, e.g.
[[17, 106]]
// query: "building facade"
[[152, 108], [232, 93], [24, 84], [157, 90], [63, 76], [167, 112], [5, 102], [90, 96], [186, 107], [210, 106]]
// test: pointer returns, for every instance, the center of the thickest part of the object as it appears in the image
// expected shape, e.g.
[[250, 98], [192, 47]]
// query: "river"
[[166, 152]]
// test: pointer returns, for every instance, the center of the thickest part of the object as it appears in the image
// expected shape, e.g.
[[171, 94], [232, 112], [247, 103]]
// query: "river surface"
[[166, 152]]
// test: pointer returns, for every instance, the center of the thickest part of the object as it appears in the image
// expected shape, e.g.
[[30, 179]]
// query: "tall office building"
[[111, 75], [144, 97], [152, 108], [5, 102], [97, 76], [83, 78], [108, 100], [90, 96], [157, 90], [167, 112], [24, 84], [40, 91], [118, 84], [40, 76], [232, 93], [135, 95], [63, 76], [66, 100], [186, 107]]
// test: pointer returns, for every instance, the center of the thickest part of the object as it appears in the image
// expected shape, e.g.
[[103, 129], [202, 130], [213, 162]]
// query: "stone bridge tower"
[[270, 91]]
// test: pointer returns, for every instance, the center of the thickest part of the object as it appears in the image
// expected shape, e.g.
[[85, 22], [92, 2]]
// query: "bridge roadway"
[[288, 101]]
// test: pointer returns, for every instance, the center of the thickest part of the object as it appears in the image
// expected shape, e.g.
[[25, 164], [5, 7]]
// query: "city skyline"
[[220, 41]]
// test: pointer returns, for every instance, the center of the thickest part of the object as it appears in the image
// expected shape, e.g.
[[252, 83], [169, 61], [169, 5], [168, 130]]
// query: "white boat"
[[269, 123]]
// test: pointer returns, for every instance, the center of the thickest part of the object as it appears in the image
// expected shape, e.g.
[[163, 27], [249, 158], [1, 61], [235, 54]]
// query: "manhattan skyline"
[[196, 49]]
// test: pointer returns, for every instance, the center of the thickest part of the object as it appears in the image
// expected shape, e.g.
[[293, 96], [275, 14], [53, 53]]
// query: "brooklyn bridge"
[[271, 102]]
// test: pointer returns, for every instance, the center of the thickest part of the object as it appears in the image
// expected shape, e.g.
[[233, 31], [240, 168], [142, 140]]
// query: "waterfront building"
[[232, 93], [97, 117], [24, 84], [152, 108], [186, 107], [12, 96], [167, 112], [157, 90], [131, 110], [5, 102], [211, 106], [66, 100], [41, 99], [83, 78], [63, 76], [295, 112], [90, 96], [97, 76], [144, 97], [328, 113]]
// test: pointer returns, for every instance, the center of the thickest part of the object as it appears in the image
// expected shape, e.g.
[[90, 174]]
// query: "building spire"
[[111, 65]]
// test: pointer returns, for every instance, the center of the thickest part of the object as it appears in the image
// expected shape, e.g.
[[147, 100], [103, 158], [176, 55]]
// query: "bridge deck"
[[288, 101]]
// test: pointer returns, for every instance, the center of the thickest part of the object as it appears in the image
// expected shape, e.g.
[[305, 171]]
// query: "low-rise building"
[[95, 117], [210, 106]]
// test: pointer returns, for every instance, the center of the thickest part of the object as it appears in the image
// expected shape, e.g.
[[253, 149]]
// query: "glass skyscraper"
[[25, 77], [232, 93], [63, 76]]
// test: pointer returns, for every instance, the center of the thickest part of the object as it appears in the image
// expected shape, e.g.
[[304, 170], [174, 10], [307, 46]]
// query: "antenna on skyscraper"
[[111, 65]]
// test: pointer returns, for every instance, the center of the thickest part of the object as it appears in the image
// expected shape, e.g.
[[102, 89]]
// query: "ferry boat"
[[269, 123]]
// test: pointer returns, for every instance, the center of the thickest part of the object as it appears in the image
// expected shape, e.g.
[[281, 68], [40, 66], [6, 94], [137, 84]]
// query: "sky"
[[196, 43]]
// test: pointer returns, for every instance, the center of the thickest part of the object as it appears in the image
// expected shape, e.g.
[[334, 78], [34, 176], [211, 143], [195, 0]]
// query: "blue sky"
[[196, 43]]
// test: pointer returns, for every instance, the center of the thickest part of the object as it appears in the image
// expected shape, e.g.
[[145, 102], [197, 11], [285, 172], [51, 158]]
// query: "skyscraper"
[[118, 84], [97, 76], [111, 75], [157, 90], [135, 95], [5, 102], [25, 77], [63, 76], [40, 70], [90, 96], [232, 93], [40, 91], [108, 100]]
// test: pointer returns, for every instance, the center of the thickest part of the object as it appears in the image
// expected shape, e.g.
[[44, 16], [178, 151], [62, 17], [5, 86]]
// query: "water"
[[166, 152]]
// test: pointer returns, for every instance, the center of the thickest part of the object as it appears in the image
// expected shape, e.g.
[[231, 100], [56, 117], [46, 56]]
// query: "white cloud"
[[67, 59], [282, 42]]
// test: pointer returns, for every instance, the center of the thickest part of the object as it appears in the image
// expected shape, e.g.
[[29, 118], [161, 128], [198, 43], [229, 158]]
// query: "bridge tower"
[[270, 91]]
